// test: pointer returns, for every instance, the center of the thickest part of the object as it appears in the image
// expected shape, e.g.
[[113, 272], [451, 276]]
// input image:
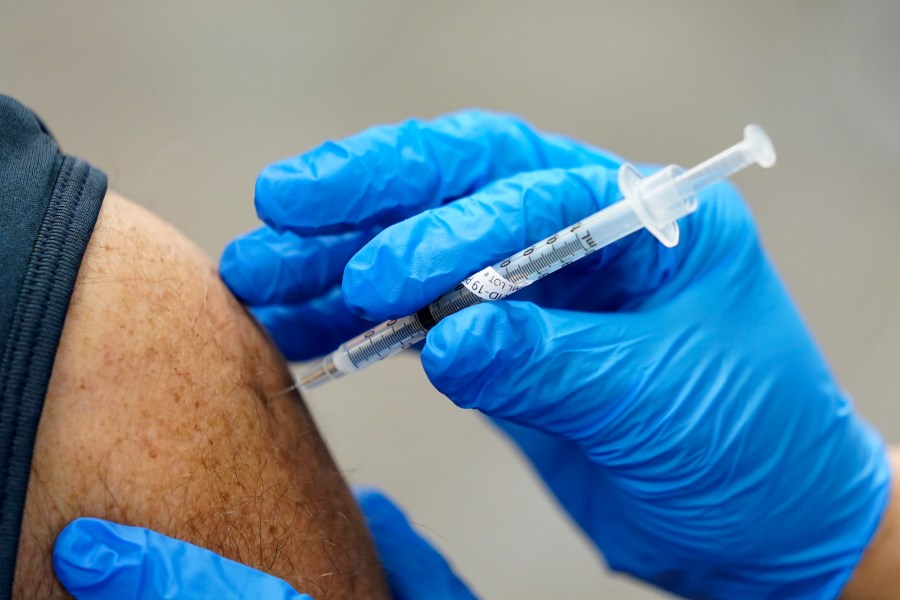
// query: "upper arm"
[[168, 408]]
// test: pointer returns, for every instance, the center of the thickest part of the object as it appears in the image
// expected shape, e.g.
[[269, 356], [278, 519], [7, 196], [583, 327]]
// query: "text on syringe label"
[[488, 284]]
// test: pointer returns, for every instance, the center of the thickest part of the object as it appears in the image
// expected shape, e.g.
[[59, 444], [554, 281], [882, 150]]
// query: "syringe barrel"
[[383, 340], [564, 247]]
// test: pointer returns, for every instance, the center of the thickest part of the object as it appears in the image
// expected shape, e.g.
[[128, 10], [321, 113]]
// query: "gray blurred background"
[[182, 103]]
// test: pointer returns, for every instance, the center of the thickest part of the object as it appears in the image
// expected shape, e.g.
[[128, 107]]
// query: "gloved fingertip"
[[361, 293], [70, 543], [252, 266], [379, 511], [101, 560], [87, 553], [459, 347], [297, 194], [359, 310], [228, 260], [364, 493], [414, 567], [233, 271], [390, 528], [388, 277], [439, 348], [267, 193]]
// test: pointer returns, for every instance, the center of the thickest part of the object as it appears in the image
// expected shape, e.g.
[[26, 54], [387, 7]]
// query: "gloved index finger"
[[390, 172]]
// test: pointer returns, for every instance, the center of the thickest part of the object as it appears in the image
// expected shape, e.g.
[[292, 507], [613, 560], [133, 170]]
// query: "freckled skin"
[[167, 409]]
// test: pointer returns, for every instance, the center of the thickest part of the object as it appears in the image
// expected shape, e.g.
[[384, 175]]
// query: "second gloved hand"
[[100, 560]]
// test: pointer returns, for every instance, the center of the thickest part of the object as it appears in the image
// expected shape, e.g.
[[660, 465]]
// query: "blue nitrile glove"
[[322, 207], [414, 569], [672, 399], [99, 560]]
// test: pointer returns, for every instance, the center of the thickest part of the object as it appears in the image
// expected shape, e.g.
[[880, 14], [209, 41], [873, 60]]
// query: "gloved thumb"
[[99, 560], [415, 570], [565, 373]]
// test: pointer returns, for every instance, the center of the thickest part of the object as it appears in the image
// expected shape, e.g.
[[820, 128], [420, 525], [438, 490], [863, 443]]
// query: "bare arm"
[[169, 409], [877, 576]]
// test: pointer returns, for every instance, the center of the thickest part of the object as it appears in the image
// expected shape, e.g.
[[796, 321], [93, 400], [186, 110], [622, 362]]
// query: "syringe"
[[655, 203]]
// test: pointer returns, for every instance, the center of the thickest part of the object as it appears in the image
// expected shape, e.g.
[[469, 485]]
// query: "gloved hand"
[[98, 560], [322, 207], [672, 399], [414, 569]]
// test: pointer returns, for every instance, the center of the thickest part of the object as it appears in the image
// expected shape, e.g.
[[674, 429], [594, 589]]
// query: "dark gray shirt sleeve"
[[48, 207]]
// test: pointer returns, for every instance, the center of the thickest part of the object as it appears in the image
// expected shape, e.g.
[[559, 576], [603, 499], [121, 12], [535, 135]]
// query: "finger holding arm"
[[100, 560]]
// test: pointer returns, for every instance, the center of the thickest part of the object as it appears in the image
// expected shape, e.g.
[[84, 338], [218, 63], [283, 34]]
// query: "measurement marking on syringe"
[[465, 300], [557, 253], [375, 347]]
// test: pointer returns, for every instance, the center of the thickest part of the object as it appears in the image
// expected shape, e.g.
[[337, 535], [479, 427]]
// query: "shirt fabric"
[[48, 207]]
